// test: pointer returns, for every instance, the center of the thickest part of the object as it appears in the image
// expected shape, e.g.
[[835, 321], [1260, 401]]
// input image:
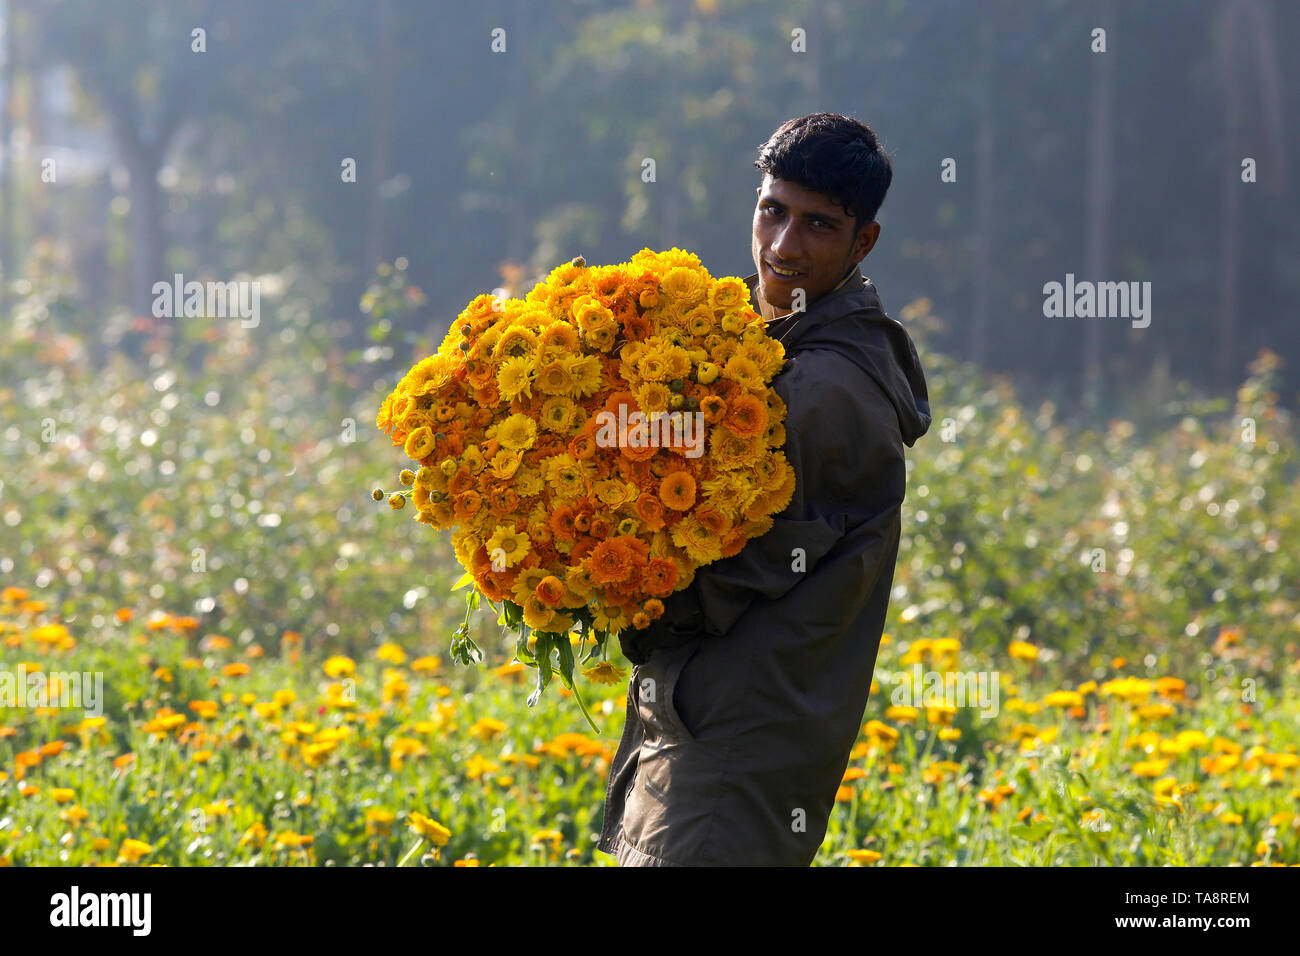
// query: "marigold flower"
[[1022, 650], [133, 850], [604, 673]]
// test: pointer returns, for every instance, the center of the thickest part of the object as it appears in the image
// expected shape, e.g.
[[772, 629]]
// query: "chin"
[[775, 298]]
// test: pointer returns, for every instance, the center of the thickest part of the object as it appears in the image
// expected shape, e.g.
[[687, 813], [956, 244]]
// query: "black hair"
[[833, 155]]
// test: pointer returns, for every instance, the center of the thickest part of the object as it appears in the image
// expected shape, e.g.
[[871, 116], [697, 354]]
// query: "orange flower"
[[461, 482], [491, 586], [550, 591], [733, 541], [660, 577], [600, 527], [562, 523], [746, 416], [502, 500], [654, 608], [713, 407], [635, 326], [582, 446], [677, 490], [610, 562], [651, 511], [713, 519]]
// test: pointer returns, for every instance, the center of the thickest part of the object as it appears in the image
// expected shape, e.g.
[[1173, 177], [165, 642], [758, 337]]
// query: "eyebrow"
[[831, 218]]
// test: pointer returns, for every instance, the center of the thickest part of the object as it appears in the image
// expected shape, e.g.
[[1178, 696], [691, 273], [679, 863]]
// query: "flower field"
[[273, 643]]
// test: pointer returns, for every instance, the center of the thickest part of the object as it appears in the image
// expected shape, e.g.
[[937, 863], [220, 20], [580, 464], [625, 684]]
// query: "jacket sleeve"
[[843, 441]]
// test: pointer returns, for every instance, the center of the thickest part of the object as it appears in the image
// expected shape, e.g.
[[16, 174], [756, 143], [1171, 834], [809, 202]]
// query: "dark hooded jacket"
[[748, 694]]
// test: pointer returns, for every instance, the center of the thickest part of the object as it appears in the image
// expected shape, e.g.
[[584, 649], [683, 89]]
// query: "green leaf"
[[514, 615], [1031, 832], [522, 653], [566, 659], [464, 579], [543, 654]]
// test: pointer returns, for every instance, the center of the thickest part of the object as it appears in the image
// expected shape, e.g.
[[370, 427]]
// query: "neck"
[[771, 313]]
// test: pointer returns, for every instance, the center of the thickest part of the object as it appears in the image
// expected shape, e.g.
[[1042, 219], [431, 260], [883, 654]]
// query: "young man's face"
[[803, 231]]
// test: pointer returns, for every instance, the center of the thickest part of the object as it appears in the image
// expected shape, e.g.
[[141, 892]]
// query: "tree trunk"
[[381, 143], [8, 268], [142, 163], [985, 182], [1098, 192]]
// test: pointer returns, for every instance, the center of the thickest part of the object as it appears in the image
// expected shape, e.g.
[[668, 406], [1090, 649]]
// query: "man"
[[748, 693]]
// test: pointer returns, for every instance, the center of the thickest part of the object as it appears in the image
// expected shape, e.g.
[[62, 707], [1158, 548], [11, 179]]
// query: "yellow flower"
[[426, 665], [74, 815], [431, 830], [1063, 698], [420, 443], [863, 857], [254, 835], [604, 673], [1154, 711], [292, 840], [515, 378], [946, 647], [1130, 689], [477, 766], [378, 821], [517, 433], [1021, 650], [508, 545], [586, 374], [939, 771], [62, 794], [391, 653], [487, 728], [1150, 768], [133, 850], [902, 714], [340, 666], [553, 837]]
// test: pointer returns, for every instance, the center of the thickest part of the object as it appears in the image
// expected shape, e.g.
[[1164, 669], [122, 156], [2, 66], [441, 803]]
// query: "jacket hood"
[[851, 320]]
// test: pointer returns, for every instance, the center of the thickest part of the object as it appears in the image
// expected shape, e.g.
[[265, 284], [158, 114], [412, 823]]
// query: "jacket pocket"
[[656, 685]]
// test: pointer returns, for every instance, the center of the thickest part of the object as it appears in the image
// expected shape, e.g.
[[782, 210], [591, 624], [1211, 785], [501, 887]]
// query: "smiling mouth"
[[780, 274]]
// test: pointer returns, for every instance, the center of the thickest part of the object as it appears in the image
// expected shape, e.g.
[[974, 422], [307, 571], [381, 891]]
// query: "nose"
[[784, 244]]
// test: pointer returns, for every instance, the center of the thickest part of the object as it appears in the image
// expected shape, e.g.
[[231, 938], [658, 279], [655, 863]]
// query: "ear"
[[866, 240]]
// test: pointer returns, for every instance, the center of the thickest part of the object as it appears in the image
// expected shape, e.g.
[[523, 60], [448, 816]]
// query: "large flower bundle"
[[591, 445]]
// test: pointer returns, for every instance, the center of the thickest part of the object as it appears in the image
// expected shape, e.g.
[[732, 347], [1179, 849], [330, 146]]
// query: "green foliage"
[[115, 477]]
